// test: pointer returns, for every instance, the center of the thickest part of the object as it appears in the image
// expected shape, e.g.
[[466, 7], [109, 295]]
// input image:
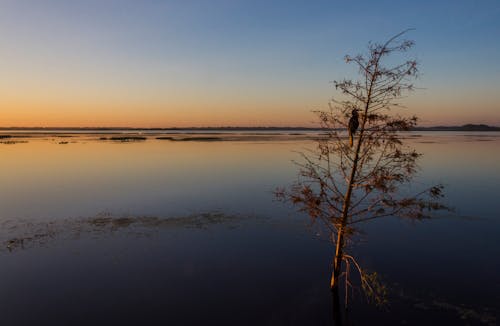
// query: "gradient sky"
[[154, 63]]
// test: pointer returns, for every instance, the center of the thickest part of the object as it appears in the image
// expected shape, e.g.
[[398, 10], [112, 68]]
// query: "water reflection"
[[264, 264], [154, 177]]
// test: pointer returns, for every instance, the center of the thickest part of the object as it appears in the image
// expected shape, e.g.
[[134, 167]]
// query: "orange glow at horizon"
[[95, 99], [64, 113]]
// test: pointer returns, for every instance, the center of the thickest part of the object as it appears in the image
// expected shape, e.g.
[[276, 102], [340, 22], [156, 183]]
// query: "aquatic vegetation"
[[12, 142], [197, 138], [128, 138], [17, 234]]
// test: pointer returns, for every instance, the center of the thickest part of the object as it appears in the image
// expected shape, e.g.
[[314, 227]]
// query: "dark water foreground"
[[208, 268], [191, 235]]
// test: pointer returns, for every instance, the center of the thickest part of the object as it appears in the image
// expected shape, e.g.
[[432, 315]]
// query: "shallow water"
[[201, 239]]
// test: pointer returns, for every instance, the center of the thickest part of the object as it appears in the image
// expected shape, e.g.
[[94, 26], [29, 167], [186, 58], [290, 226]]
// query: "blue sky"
[[166, 63]]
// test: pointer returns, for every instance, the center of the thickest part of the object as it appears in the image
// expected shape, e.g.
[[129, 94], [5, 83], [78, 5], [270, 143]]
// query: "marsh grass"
[[127, 138], [191, 138], [13, 142], [18, 235]]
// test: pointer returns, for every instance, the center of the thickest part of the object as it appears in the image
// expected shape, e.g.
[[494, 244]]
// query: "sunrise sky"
[[153, 63]]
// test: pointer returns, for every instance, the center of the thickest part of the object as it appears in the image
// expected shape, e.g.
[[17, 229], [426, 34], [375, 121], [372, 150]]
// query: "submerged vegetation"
[[16, 235], [344, 184]]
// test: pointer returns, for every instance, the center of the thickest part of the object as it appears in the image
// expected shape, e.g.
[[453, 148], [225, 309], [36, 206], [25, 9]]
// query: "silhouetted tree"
[[344, 182]]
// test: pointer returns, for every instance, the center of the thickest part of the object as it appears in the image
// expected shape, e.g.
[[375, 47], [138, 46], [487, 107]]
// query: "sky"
[[166, 63]]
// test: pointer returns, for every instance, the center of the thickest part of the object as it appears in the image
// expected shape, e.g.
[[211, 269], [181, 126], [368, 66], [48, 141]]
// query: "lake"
[[187, 231]]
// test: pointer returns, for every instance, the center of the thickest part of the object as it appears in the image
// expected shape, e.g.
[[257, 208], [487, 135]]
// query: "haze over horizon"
[[161, 64]]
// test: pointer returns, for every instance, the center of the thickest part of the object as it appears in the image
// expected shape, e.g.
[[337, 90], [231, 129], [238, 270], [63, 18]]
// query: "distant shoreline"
[[467, 127]]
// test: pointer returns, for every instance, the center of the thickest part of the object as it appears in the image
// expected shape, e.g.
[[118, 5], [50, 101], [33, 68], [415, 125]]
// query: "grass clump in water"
[[128, 138]]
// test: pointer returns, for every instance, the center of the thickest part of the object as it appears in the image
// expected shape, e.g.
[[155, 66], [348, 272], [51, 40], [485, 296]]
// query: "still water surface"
[[200, 239]]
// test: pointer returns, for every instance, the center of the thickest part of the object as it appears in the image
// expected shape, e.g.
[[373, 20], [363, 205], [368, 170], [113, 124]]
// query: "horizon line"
[[223, 127]]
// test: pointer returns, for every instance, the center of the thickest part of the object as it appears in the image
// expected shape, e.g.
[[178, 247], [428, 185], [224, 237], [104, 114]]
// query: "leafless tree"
[[346, 181]]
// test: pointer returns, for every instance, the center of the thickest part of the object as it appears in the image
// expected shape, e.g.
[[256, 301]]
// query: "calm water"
[[185, 233]]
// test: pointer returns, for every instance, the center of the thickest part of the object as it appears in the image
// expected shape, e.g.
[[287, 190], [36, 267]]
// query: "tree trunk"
[[337, 312], [337, 263]]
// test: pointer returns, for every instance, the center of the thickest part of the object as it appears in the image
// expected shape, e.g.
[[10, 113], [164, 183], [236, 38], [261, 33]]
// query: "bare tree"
[[344, 182]]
